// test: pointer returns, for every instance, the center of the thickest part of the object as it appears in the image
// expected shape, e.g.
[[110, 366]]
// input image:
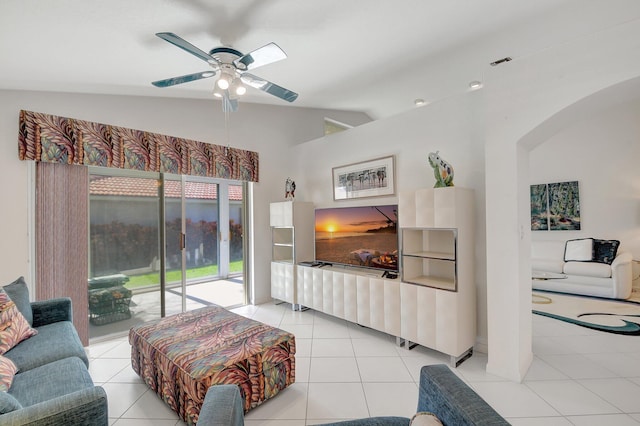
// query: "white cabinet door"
[[363, 297], [427, 320], [308, 287], [289, 283], [281, 214], [447, 319], [277, 281], [392, 304], [409, 313], [327, 292], [338, 301], [318, 294], [282, 282], [350, 297], [418, 317], [376, 304]]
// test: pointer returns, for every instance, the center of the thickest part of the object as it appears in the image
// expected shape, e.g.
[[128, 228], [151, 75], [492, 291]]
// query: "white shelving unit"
[[438, 283], [429, 257], [291, 242], [282, 245], [434, 304]]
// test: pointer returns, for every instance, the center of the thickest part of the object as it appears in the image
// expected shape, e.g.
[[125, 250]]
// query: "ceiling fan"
[[232, 66]]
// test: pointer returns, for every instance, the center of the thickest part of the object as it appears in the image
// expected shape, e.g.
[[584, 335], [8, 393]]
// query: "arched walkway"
[[527, 101]]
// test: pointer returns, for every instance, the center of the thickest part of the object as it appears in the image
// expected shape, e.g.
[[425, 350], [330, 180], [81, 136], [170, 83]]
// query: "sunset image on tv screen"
[[359, 236]]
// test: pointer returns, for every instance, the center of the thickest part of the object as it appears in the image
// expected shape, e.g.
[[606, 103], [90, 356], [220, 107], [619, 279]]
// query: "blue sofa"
[[441, 393], [52, 385]]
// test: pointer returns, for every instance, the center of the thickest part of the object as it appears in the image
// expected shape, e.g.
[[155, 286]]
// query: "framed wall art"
[[373, 178], [555, 206], [539, 207]]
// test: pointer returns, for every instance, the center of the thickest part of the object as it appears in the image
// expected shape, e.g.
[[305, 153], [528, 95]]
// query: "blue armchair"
[[441, 393]]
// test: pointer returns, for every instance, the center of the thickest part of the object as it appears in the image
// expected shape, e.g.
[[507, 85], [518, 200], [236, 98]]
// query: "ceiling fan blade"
[[183, 79], [261, 56], [269, 87], [185, 45]]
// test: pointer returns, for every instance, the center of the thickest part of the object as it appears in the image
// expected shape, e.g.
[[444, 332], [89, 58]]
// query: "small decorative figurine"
[[289, 189], [442, 170]]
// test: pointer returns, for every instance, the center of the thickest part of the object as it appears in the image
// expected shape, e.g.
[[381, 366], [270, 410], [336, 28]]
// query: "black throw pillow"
[[604, 251]]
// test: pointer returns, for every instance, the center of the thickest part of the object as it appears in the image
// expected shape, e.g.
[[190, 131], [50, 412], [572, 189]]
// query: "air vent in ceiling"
[[500, 61]]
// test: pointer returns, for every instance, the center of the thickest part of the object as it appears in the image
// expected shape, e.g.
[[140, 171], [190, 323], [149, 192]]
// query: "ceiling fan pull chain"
[[226, 130]]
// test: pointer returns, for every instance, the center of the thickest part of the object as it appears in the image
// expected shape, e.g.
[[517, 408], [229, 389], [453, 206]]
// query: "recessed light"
[[474, 85], [419, 102]]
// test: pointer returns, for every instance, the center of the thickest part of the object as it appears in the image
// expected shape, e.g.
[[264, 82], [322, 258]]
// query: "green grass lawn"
[[151, 279]]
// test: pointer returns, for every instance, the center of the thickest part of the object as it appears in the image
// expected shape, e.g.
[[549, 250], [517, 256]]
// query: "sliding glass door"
[[193, 247], [124, 255], [194, 259], [236, 230], [213, 236]]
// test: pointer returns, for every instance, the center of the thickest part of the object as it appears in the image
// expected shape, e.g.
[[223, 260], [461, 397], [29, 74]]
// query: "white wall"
[[528, 100], [521, 101], [269, 130], [453, 126], [602, 153]]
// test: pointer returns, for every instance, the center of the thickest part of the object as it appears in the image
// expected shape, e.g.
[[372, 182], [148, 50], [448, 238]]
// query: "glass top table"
[[544, 275]]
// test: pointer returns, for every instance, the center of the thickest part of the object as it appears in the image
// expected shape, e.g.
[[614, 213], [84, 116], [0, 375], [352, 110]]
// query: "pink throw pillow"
[[14, 328], [7, 370]]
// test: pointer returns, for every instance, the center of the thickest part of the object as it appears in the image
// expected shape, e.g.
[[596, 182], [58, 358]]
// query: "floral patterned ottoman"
[[182, 355]]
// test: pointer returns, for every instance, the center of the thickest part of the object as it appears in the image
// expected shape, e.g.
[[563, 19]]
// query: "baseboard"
[[481, 345]]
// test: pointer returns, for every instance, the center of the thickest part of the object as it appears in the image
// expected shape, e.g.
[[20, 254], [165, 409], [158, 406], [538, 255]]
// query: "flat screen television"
[[365, 236]]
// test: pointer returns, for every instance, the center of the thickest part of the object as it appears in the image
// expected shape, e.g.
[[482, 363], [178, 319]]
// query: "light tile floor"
[[578, 376], [145, 306]]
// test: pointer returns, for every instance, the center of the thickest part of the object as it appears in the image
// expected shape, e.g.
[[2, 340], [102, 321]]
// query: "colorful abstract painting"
[[539, 207], [53, 139], [555, 206], [564, 206]]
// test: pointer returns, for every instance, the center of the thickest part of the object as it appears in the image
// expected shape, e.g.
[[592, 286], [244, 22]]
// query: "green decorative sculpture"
[[442, 170]]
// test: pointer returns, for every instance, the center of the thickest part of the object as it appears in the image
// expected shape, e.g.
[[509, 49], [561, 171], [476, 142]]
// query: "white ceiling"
[[374, 56]]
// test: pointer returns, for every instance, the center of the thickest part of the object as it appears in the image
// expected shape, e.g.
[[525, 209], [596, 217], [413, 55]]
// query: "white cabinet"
[[291, 242], [433, 304], [438, 319], [356, 296], [437, 252], [282, 281]]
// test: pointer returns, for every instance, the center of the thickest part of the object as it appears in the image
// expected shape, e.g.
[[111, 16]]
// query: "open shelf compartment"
[[429, 257]]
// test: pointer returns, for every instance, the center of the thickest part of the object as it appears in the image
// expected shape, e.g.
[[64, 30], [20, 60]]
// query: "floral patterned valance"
[[52, 139]]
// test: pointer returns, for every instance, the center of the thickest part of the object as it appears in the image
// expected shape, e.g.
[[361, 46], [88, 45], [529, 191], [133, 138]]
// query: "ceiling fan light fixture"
[[217, 93], [223, 83], [237, 88], [232, 66], [240, 90], [475, 85]]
